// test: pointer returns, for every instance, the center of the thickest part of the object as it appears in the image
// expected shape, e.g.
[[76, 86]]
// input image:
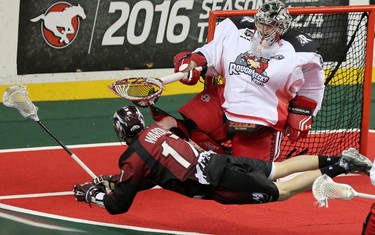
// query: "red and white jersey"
[[259, 85]]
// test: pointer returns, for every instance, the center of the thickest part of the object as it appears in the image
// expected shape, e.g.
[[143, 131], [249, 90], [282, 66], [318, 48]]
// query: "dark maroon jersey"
[[162, 158], [158, 155]]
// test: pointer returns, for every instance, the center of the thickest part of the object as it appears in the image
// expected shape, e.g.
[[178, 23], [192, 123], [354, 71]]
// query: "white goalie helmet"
[[272, 20]]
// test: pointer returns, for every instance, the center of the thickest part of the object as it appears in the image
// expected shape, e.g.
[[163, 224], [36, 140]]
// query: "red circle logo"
[[60, 24]]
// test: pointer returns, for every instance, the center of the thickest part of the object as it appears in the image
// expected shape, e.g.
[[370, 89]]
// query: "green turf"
[[16, 223], [73, 122]]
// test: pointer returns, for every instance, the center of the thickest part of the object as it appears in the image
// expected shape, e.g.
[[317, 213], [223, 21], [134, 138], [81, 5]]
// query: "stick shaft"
[[75, 158], [179, 75], [365, 195]]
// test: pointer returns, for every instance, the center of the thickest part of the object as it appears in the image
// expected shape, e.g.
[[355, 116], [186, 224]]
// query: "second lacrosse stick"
[[16, 97], [324, 189]]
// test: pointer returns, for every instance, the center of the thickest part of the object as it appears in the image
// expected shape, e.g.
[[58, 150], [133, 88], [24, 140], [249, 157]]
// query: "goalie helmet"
[[272, 20], [127, 122]]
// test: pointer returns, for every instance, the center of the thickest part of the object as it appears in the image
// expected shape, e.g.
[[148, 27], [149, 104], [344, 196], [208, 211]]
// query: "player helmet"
[[127, 122], [272, 20]]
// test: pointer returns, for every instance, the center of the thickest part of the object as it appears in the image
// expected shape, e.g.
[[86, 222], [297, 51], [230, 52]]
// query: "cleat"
[[352, 161]]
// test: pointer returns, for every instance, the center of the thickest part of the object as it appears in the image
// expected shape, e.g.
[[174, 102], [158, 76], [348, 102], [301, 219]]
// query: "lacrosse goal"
[[346, 35]]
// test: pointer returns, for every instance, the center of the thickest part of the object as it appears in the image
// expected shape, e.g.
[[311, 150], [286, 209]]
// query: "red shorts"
[[263, 144], [369, 226]]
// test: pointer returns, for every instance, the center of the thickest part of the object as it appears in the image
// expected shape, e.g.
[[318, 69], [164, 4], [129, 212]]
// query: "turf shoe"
[[352, 161]]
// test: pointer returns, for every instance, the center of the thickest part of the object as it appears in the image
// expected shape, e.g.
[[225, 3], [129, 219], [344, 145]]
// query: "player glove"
[[299, 120], [107, 181], [84, 192], [185, 62]]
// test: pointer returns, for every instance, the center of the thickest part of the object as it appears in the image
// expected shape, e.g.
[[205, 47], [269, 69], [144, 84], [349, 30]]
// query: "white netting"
[[324, 188], [16, 97]]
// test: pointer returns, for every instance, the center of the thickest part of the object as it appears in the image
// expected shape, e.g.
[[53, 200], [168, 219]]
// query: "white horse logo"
[[60, 22]]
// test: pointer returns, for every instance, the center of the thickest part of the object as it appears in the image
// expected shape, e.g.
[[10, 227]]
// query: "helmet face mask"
[[266, 31], [127, 122], [275, 14]]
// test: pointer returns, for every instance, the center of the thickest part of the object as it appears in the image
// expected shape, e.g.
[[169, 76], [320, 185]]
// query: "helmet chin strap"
[[262, 48]]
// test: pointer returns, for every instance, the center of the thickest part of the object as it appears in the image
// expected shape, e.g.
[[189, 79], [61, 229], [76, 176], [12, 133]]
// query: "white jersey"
[[259, 86], [372, 173]]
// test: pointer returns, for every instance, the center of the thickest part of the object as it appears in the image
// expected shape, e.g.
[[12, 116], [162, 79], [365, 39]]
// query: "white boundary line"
[[37, 224], [59, 217], [32, 195], [118, 144], [59, 147]]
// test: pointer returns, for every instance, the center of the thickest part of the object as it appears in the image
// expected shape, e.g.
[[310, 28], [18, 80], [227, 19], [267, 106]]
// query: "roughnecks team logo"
[[60, 24], [254, 66]]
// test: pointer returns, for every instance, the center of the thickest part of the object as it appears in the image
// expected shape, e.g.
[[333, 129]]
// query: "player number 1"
[[169, 151]]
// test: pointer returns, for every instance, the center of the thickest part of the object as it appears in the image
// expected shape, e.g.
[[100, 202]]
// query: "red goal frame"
[[365, 125]]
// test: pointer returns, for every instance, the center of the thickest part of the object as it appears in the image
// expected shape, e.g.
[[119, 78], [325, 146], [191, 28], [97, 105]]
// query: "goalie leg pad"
[[206, 112]]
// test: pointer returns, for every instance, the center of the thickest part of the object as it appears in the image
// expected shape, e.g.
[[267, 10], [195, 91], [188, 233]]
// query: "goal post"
[[346, 38]]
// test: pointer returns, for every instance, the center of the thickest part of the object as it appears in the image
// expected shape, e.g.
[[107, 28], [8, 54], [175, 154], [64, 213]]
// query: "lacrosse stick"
[[16, 97], [145, 91], [324, 188]]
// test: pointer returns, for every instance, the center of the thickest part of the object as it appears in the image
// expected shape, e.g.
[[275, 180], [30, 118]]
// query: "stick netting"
[[342, 38], [324, 188], [135, 90], [16, 97], [142, 91]]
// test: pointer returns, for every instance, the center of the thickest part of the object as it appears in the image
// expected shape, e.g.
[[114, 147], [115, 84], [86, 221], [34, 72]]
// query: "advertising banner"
[[106, 35]]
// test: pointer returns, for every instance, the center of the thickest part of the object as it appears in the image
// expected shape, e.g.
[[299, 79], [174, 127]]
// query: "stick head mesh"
[[141, 91], [324, 188], [16, 97]]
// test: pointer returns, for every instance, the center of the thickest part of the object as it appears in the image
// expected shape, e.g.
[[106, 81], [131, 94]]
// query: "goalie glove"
[[86, 192], [185, 62], [299, 121]]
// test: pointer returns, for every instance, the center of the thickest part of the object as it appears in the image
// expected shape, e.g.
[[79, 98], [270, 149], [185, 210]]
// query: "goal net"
[[345, 35]]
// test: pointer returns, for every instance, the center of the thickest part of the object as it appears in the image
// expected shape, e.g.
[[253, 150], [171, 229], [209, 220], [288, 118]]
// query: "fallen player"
[[155, 156]]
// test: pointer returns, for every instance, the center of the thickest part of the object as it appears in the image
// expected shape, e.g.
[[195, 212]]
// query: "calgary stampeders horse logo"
[[60, 24]]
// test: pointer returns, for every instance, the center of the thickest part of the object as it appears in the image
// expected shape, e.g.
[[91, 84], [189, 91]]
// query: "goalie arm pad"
[[187, 61], [299, 121]]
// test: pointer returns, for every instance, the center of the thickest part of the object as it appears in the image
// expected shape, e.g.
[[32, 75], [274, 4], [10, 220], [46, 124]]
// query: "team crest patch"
[[253, 66], [60, 24]]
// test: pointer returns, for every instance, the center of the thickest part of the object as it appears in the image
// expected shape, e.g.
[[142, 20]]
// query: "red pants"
[[369, 226], [206, 111]]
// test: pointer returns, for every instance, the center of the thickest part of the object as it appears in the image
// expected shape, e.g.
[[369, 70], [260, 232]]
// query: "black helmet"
[[128, 121]]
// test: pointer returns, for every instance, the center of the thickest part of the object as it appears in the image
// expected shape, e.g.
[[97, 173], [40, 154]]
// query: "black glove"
[[107, 181], [84, 192]]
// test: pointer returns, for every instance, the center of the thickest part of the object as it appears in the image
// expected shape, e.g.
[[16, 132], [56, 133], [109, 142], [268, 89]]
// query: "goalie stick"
[[145, 91], [324, 189], [16, 97]]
